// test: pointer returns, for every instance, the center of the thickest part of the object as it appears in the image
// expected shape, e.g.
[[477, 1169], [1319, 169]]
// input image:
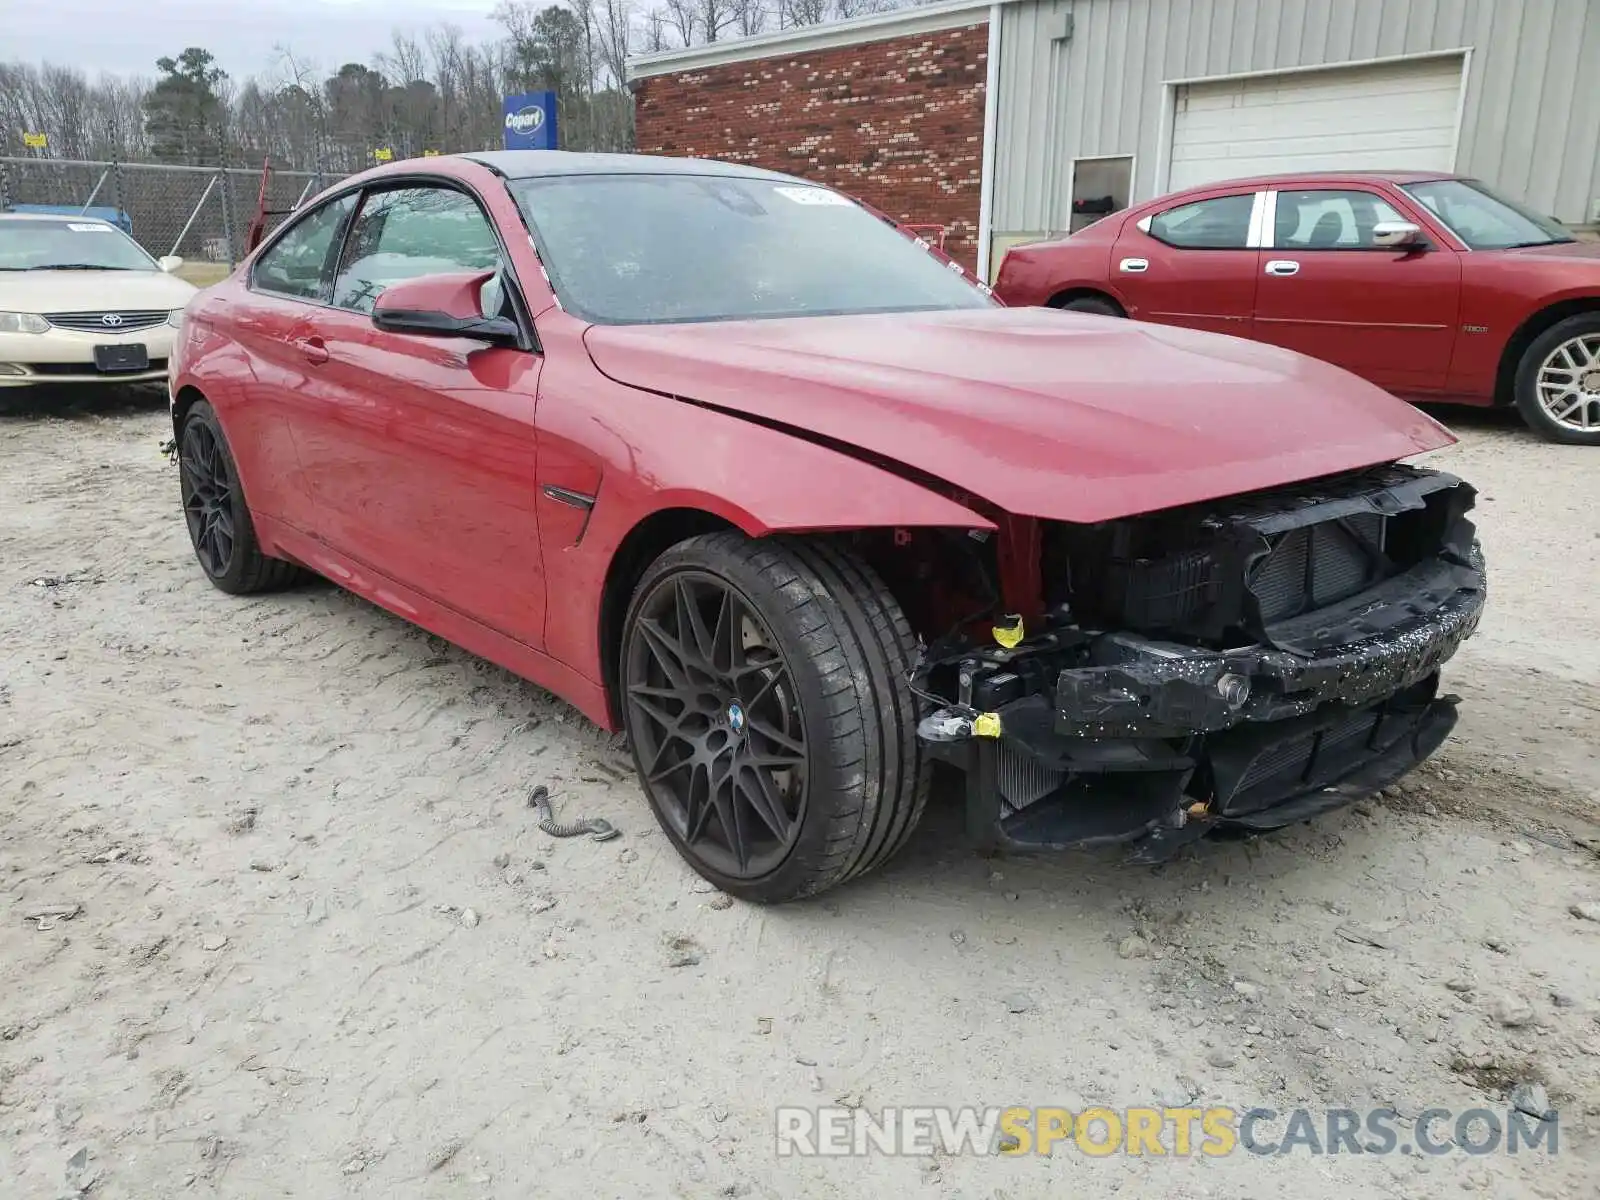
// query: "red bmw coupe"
[[736, 466]]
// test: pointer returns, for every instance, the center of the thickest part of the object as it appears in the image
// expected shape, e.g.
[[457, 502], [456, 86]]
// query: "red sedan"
[[739, 468], [1430, 286]]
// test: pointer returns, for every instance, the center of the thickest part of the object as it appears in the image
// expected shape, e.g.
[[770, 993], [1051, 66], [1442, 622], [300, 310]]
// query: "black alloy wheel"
[[763, 686], [207, 485], [721, 738], [214, 508]]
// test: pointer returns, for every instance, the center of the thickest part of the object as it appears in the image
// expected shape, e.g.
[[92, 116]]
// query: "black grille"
[[1320, 565], [118, 321], [87, 368], [1297, 762]]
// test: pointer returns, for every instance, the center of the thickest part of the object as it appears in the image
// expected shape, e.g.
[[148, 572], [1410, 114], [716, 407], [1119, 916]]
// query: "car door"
[[420, 451], [1386, 313], [271, 320], [1191, 264]]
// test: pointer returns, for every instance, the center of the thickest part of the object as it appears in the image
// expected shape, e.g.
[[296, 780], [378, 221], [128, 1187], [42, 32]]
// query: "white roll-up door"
[[1394, 116]]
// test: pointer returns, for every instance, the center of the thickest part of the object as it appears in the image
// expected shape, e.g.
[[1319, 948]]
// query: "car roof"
[[16, 216], [530, 164], [1345, 176]]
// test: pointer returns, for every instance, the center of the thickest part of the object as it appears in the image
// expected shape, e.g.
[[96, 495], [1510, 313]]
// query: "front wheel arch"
[[1064, 298], [644, 543], [1505, 385], [185, 399]]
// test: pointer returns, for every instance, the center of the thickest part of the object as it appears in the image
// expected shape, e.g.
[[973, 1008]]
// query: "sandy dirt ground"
[[323, 950]]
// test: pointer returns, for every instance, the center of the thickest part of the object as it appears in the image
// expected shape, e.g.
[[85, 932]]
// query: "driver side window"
[[298, 263], [409, 232]]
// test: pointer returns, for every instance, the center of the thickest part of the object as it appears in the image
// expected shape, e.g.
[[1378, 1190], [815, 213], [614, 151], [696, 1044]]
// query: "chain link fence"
[[199, 213]]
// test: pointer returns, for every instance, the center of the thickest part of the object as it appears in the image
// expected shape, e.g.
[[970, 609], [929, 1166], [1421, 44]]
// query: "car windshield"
[[1483, 220], [642, 249], [86, 245]]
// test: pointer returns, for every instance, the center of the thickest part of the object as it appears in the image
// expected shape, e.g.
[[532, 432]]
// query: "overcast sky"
[[127, 36]]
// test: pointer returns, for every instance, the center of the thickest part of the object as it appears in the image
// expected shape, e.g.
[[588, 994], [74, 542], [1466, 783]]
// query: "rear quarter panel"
[[1031, 275]]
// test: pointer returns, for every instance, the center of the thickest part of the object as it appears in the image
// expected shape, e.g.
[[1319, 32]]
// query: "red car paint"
[[1445, 323], [418, 471]]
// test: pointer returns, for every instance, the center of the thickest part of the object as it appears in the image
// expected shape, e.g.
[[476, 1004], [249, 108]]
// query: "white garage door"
[[1396, 116]]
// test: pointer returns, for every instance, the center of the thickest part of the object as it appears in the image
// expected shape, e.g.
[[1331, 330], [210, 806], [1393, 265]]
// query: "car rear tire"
[[1099, 305], [214, 508], [763, 687], [1558, 381]]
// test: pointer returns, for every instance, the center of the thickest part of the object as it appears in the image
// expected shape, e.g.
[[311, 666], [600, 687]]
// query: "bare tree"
[[684, 16], [715, 16], [616, 34], [802, 12], [655, 31], [749, 16]]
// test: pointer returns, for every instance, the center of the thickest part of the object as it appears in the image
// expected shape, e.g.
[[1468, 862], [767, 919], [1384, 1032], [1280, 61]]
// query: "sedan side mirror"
[[1395, 235], [169, 263], [444, 306]]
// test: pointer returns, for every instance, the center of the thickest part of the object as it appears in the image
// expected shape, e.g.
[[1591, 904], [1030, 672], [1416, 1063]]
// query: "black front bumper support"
[[1156, 743]]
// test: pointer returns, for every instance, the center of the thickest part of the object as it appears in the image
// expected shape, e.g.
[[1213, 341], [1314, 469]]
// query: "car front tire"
[[214, 508], [763, 687], [1558, 381], [1099, 305]]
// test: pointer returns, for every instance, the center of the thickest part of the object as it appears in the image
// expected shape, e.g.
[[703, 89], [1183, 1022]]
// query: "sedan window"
[[410, 232], [1329, 220], [1222, 223], [1483, 220], [297, 263]]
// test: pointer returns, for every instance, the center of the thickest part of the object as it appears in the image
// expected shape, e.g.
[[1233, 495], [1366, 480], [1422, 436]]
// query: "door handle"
[[1134, 266], [1283, 266], [315, 350]]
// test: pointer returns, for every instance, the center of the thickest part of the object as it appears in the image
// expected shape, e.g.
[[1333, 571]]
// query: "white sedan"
[[80, 302]]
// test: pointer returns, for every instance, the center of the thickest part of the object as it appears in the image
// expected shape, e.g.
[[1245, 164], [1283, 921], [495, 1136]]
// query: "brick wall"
[[897, 123]]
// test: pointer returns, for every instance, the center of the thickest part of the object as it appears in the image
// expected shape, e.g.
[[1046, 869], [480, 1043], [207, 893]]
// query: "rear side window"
[[1222, 223], [1329, 220], [299, 263], [411, 232]]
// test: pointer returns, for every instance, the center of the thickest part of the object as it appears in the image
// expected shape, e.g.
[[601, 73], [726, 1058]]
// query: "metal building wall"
[[1531, 119]]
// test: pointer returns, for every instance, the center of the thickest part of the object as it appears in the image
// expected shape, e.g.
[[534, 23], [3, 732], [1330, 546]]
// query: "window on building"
[[1100, 187]]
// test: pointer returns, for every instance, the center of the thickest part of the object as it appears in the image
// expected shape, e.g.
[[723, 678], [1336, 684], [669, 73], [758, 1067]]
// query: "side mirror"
[[169, 263], [1396, 235], [445, 306]]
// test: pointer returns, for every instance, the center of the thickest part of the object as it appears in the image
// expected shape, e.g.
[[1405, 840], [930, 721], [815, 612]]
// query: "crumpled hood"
[[91, 291], [1058, 415]]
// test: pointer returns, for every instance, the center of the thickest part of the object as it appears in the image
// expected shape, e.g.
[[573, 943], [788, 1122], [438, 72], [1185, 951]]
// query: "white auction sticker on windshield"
[[87, 228], [813, 195]]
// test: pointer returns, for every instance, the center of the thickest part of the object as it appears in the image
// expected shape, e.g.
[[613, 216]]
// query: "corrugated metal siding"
[[1530, 123]]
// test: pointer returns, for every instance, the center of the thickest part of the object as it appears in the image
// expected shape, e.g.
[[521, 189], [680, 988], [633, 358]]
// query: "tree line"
[[435, 91]]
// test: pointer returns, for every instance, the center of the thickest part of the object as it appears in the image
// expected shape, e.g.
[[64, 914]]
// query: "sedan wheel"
[[1558, 383], [763, 689]]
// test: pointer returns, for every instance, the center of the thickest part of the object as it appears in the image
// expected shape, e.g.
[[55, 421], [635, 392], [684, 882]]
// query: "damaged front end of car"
[[1247, 663]]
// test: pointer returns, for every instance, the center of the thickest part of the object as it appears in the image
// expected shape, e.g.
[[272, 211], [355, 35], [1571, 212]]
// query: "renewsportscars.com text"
[[840, 1131]]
